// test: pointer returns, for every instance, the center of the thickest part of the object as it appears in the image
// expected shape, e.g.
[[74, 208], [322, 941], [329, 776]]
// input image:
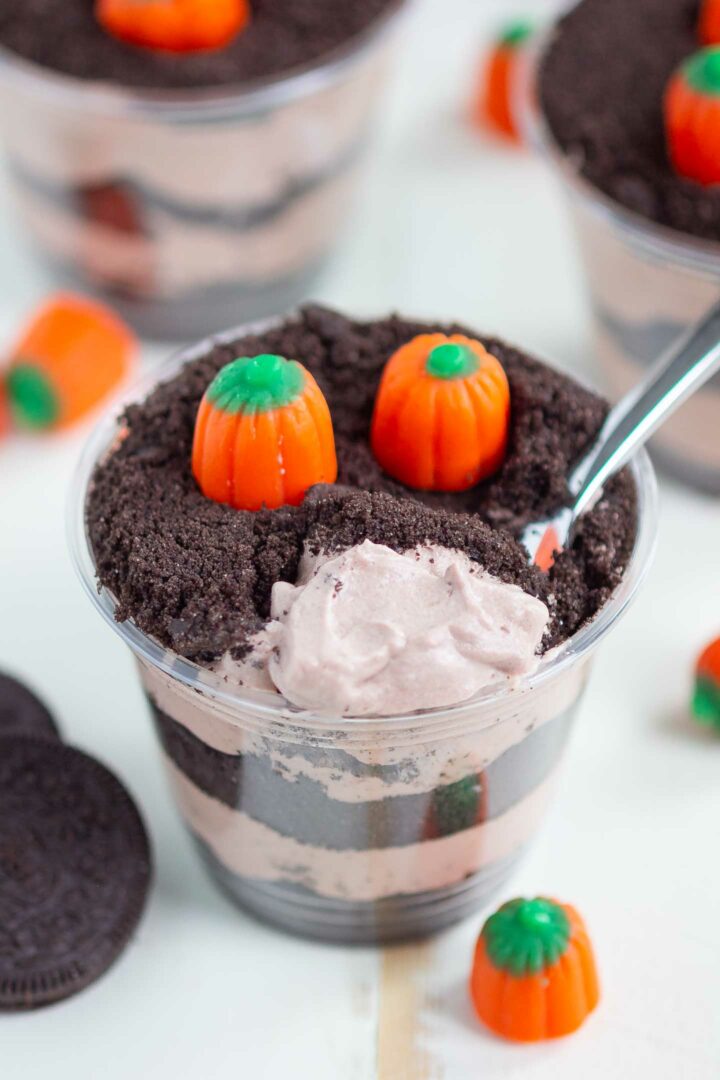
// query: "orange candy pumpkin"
[[263, 435], [534, 974], [710, 22], [493, 105], [174, 25], [692, 118], [72, 355], [441, 414]]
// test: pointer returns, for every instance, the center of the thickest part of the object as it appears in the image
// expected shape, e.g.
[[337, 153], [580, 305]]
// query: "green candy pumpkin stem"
[[706, 702], [33, 401], [516, 33], [702, 72], [256, 384], [526, 936], [451, 361]]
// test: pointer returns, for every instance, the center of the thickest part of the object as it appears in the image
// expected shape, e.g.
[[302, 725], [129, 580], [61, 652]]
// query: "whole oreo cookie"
[[74, 871], [21, 713]]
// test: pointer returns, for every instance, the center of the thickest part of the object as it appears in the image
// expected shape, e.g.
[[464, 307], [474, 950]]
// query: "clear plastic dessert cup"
[[189, 210], [647, 285], [358, 830]]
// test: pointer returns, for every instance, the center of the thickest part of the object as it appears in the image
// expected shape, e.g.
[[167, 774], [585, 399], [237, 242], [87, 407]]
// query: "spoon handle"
[[688, 364]]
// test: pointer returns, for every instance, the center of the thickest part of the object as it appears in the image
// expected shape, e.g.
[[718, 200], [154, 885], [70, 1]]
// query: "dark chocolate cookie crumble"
[[283, 35], [198, 576], [602, 85]]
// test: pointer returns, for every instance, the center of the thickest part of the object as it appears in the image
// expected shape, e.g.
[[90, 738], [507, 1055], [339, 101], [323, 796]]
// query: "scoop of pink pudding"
[[371, 632]]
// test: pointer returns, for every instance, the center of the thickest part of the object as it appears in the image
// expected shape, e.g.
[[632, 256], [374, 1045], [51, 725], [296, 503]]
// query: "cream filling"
[[370, 632], [637, 289], [177, 255], [235, 161], [253, 850], [423, 760]]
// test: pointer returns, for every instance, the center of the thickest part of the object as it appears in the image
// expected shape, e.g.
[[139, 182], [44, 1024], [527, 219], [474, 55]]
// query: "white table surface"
[[451, 225]]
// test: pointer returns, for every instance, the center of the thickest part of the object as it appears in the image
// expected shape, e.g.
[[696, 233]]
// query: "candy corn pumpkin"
[[72, 355], [263, 435], [441, 414], [710, 22], [706, 699], [174, 25], [692, 118], [493, 104], [534, 974]]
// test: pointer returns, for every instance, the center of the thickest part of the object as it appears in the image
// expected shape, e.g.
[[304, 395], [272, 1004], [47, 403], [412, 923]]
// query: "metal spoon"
[[687, 365]]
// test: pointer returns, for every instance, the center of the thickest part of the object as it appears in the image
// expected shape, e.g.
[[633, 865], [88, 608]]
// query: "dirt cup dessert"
[[307, 535], [192, 160], [629, 97]]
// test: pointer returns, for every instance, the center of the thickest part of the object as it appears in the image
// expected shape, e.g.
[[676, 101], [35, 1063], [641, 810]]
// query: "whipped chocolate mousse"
[[374, 632], [344, 615], [602, 84]]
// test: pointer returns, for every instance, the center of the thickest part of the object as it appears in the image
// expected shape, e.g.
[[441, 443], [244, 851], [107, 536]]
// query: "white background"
[[451, 225]]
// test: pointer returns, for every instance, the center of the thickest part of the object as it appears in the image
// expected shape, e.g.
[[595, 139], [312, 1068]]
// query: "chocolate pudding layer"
[[283, 35], [283, 837], [362, 830], [602, 84]]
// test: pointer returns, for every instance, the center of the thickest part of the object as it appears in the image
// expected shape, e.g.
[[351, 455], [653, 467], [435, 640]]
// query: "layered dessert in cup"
[[649, 237], [191, 190], [363, 695]]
